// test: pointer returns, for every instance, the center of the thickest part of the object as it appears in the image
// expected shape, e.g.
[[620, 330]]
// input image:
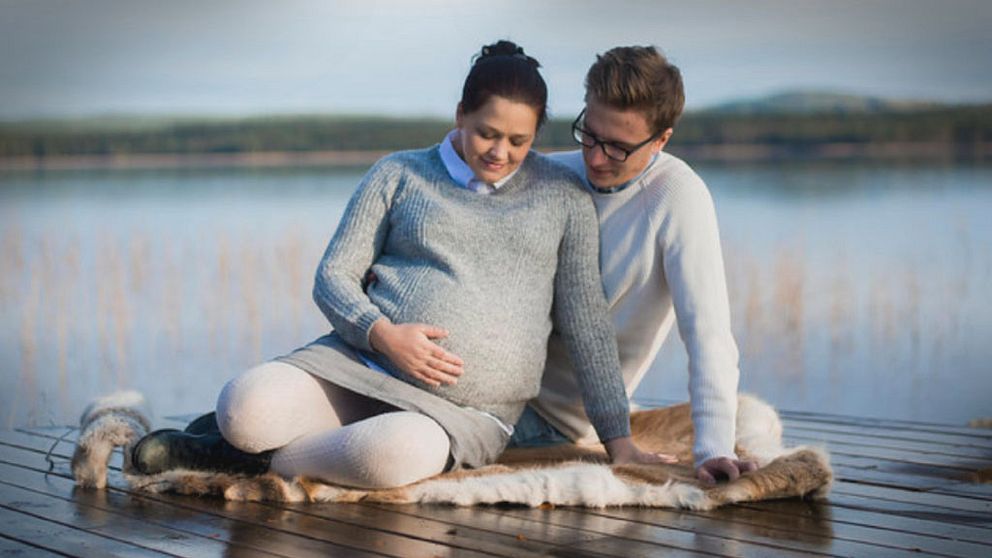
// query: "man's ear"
[[662, 140], [458, 116]]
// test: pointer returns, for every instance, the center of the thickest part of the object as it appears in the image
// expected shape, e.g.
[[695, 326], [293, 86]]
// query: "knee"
[[410, 447], [250, 407]]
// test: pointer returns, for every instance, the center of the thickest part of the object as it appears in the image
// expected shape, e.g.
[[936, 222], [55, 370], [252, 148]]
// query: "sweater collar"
[[625, 185]]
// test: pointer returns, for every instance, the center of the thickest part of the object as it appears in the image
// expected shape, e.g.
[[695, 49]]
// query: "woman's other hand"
[[624, 450], [410, 347]]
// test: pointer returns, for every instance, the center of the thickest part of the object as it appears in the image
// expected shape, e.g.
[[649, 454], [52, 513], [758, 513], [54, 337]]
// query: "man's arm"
[[693, 261]]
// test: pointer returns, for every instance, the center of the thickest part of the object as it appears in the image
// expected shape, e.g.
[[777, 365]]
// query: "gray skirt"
[[476, 439]]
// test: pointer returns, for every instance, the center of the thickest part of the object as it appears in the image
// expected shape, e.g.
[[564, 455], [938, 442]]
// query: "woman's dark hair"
[[502, 69]]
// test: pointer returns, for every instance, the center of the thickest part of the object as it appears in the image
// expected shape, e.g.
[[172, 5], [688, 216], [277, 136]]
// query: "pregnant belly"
[[502, 344]]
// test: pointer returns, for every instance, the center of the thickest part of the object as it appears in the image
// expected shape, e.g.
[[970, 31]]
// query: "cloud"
[[398, 57]]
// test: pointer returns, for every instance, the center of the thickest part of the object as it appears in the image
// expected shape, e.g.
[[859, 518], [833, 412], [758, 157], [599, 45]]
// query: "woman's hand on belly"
[[410, 347]]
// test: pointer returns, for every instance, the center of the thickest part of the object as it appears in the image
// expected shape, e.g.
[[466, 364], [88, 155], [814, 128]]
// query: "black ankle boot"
[[164, 450], [203, 424]]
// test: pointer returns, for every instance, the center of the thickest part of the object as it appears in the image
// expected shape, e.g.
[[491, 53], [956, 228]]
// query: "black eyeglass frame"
[[627, 152]]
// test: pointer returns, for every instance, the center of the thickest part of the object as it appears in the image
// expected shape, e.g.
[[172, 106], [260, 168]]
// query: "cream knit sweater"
[[661, 263]]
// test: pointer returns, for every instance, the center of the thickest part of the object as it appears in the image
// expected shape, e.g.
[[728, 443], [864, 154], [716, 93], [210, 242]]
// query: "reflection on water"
[[854, 289]]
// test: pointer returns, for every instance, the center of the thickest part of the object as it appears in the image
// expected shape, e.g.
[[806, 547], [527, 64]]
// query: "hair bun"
[[505, 48], [502, 48]]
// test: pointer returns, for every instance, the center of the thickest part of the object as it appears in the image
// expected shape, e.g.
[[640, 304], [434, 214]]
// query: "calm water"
[[855, 289]]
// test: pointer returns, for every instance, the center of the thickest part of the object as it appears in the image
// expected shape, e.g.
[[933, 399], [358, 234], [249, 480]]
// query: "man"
[[660, 259]]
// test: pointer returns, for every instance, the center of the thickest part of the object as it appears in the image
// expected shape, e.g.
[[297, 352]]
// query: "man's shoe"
[[164, 450]]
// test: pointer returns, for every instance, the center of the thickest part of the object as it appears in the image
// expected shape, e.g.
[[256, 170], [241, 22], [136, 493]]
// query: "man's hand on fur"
[[624, 450], [412, 349], [723, 468]]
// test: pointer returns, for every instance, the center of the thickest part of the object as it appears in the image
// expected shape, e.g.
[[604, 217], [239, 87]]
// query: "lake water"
[[855, 289]]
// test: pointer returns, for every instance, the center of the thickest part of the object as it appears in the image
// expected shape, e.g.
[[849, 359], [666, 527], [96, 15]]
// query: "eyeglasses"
[[611, 150]]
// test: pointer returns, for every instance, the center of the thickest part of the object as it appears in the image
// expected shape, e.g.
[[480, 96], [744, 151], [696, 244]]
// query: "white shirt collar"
[[458, 169]]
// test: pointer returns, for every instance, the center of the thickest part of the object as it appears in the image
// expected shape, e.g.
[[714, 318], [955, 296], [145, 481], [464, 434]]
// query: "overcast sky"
[[83, 57]]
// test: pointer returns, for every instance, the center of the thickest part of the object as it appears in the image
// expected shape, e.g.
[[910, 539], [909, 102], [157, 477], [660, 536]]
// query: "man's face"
[[626, 129]]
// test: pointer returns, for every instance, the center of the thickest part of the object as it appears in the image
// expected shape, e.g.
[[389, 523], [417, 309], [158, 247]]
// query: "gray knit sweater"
[[498, 272]]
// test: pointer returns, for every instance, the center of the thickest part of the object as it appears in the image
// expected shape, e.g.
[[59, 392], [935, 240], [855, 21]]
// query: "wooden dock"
[[902, 489]]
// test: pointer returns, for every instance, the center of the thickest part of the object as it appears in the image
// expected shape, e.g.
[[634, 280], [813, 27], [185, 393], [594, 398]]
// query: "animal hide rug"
[[564, 475]]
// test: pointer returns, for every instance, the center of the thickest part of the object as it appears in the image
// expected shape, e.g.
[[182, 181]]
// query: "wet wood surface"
[[902, 489]]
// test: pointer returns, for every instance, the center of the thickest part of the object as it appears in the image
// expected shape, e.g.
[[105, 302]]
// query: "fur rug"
[[120, 419], [565, 475]]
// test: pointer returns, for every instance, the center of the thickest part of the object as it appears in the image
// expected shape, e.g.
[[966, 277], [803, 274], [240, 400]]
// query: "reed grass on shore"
[[183, 314]]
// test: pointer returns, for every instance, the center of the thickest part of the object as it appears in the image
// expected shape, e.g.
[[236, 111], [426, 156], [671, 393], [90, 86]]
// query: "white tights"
[[325, 431]]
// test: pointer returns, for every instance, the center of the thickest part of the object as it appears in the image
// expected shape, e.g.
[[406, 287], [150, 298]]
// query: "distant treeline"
[[964, 129]]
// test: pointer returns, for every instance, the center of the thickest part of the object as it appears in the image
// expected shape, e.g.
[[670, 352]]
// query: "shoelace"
[[48, 456]]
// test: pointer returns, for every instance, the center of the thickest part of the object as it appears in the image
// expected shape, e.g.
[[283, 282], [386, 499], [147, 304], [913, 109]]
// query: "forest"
[[961, 131]]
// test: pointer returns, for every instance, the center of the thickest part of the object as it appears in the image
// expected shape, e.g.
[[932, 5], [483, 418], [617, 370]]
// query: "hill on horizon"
[[789, 102], [821, 102]]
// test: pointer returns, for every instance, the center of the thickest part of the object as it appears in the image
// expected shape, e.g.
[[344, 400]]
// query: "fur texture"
[[565, 475], [119, 419]]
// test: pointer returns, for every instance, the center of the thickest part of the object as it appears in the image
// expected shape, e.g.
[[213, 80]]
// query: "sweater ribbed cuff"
[[714, 438], [609, 427], [358, 336]]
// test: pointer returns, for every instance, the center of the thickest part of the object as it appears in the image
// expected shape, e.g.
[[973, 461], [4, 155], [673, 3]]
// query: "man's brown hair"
[[638, 78]]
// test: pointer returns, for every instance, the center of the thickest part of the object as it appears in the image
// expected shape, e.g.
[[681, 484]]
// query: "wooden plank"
[[514, 543], [959, 435], [338, 510], [569, 541], [601, 537], [370, 539], [12, 548], [869, 512], [949, 472], [806, 436], [968, 489], [240, 537], [787, 519], [111, 524], [64, 539], [861, 422], [876, 475], [901, 495], [255, 519], [883, 477], [497, 542], [888, 424], [590, 541], [942, 443], [868, 447], [487, 522], [927, 474], [653, 534], [821, 535], [460, 537]]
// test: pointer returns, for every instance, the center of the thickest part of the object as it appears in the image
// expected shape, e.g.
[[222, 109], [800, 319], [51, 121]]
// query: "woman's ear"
[[458, 116]]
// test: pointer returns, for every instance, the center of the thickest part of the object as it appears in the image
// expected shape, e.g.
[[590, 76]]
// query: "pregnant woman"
[[444, 279]]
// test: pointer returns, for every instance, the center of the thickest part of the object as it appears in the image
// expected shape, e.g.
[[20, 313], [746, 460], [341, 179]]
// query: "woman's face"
[[494, 139]]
